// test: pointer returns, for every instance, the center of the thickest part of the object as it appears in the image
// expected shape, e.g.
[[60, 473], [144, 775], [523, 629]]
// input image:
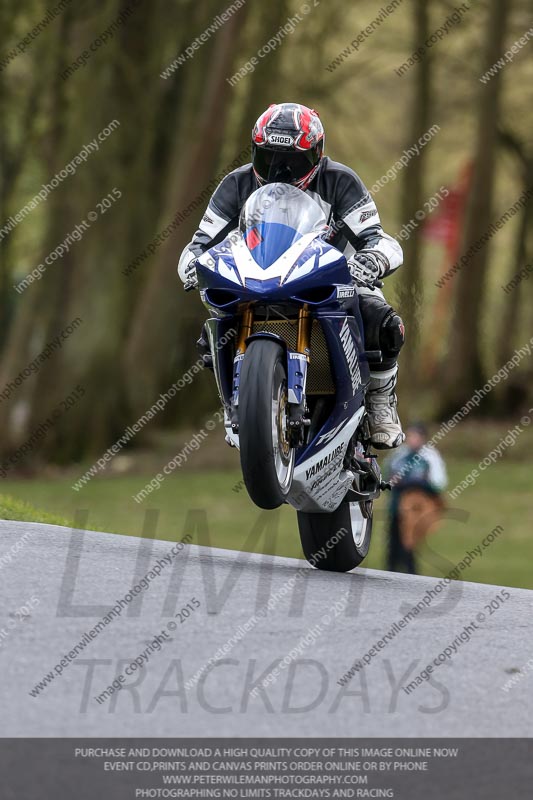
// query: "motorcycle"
[[285, 333]]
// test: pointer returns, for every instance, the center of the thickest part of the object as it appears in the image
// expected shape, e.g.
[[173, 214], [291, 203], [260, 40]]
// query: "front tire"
[[267, 459], [337, 542]]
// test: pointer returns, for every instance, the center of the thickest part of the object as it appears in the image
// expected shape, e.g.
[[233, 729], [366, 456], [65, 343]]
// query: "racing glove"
[[368, 267], [187, 270], [191, 278]]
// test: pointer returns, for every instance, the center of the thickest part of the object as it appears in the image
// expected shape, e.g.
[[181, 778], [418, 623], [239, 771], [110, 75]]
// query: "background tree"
[[174, 135], [419, 116], [465, 371]]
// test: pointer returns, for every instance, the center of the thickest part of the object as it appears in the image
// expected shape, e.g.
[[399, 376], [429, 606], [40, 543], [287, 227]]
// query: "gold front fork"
[[303, 342], [245, 330]]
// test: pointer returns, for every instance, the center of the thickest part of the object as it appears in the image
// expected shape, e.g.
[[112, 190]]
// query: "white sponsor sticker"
[[342, 294], [319, 465], [280, 138], [368, 215]]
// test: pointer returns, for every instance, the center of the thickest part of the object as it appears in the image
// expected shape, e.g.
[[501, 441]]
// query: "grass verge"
[[213, 506]]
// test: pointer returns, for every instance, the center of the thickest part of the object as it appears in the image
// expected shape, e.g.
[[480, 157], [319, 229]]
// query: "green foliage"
[[175, 135], [15, 509]]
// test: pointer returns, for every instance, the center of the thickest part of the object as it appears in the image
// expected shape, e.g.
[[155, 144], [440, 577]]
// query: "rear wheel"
[[337, 542], [267, 459]]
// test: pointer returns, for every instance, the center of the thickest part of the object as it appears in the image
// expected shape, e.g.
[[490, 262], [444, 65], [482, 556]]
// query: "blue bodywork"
[[325, 286]]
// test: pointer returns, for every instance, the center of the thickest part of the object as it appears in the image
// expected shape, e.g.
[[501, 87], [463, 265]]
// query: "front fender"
[[296, 367], [267, 335]]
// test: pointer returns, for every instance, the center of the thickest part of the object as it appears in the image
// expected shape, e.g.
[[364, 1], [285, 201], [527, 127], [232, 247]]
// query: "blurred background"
[[118, 119]]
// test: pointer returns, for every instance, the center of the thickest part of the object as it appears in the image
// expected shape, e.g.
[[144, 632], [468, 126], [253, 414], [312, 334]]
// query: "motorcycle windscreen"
[[276, 216]]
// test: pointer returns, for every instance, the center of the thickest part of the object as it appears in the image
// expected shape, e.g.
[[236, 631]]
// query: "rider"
[[287, 146]]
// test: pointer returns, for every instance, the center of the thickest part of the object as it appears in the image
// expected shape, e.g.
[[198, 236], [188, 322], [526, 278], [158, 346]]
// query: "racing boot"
[[381, 406]]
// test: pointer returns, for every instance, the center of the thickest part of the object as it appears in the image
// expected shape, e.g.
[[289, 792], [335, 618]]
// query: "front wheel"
[[267, 459], [337, 542]]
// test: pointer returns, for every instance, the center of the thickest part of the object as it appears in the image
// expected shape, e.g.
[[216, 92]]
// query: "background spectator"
[[418, 475]]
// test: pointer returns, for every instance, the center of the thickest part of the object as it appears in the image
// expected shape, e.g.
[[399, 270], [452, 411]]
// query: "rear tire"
[[345, 550], [267, 459]]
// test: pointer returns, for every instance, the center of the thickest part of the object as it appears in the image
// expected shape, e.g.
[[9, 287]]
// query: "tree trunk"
[[36, 305], [513, 394], [510, 317], [464, 372], [410, 293], [155, 321]]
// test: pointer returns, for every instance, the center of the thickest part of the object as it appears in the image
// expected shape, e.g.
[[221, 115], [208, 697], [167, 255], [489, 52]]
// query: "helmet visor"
[[285, 166]]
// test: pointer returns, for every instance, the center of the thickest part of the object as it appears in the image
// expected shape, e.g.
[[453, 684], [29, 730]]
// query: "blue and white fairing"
[[277, 251], [278, 256]]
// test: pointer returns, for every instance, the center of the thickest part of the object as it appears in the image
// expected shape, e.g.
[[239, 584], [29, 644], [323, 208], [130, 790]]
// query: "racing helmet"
[[287, 145]]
